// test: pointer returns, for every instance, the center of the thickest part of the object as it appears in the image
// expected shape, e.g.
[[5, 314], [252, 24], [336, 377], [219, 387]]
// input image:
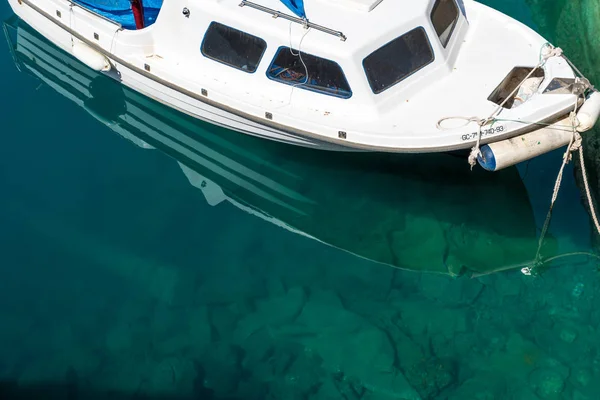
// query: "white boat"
[[364, 75], [299, 190]]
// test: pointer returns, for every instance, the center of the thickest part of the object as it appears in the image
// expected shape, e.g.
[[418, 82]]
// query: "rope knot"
[[576, 142], [551, 52]]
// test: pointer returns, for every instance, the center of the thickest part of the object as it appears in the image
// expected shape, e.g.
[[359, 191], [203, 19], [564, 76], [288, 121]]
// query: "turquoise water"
[[146, 255]]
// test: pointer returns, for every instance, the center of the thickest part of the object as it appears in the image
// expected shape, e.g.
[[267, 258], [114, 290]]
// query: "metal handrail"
[[95, 13], [303, 21]]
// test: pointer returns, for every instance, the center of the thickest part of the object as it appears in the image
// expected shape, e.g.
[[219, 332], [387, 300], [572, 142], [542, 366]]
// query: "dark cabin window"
[[309, 72], [444, 17], [233, 47], [398, 59]]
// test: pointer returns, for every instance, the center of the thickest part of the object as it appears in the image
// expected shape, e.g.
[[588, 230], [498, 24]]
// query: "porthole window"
[[398, 59], [309, 72], [233, 47], [444, 17]]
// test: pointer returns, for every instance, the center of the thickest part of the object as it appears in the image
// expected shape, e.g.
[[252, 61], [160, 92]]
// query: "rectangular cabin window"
[[397, 60], [444, 17], [309, 72], [232, 47]]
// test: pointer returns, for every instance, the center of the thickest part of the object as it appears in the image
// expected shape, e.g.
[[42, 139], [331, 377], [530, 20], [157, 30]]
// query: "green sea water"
[[146, 255]]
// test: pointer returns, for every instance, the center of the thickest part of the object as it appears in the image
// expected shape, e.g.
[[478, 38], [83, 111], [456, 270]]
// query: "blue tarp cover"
[[297, 6], [120, 10]]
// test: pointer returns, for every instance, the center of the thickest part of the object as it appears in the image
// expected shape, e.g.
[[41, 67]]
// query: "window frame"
[[454, 22], [433, 58], [310, 88], [239, 68]]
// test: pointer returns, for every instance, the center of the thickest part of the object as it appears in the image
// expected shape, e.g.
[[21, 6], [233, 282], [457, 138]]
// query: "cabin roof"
[[366, 23], [358, 5]]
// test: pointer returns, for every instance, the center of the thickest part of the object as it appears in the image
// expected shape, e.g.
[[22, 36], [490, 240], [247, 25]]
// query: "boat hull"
[[165, 93], [136, 65]]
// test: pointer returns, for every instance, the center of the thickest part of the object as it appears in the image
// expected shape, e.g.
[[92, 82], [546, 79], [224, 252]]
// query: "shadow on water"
[[416, 212]]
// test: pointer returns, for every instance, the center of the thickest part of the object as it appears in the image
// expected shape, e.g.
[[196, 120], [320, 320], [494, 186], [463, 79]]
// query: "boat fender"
[[588, 114], [90, 57], [506, 153]]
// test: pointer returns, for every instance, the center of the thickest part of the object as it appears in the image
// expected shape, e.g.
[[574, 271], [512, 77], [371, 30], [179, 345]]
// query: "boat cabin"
[[342, 49]]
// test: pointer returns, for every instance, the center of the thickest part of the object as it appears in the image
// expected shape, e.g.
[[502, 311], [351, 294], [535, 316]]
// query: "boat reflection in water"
[[425, 213]]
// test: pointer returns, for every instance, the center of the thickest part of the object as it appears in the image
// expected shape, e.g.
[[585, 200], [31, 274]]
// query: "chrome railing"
[[74, 4], [305, 22]]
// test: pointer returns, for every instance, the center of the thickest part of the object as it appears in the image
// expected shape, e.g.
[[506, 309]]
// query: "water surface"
[[147, 255]]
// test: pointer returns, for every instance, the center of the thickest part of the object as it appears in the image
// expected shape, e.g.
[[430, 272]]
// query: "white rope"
[[481, 122], [299, 55], [587, 190], [475, 151], [575, 144]]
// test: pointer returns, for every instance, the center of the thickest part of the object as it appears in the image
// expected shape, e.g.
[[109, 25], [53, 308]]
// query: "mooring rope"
[[587, 191], [575, 144], [553, 52], [481, 122]]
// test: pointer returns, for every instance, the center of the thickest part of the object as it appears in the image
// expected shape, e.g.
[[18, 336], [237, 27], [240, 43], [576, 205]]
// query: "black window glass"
[[309, 72], [444, 17], [398, 59], [233, 47]]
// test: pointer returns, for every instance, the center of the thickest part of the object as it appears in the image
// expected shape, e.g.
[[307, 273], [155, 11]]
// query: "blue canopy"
[[297, 6], [120, 10]]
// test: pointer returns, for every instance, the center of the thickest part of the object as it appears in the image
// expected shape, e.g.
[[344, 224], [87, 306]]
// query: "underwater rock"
[[40, 371], [567, 335], [416, 319], [124, 374], [327, 391], [222, 364], [170, 376], [346, 343], [220, 288], [223, 319], [119, 339], [547, 383], [578, 290], [580, 377], [281, 310], [448, 291], [275, 286], [271, 313], [299, 379], [362, 289], [200, 335], [432, 376], [421, 245], [187, 334], [480, 387], [259, 348], [507, 285], [390, 387]]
